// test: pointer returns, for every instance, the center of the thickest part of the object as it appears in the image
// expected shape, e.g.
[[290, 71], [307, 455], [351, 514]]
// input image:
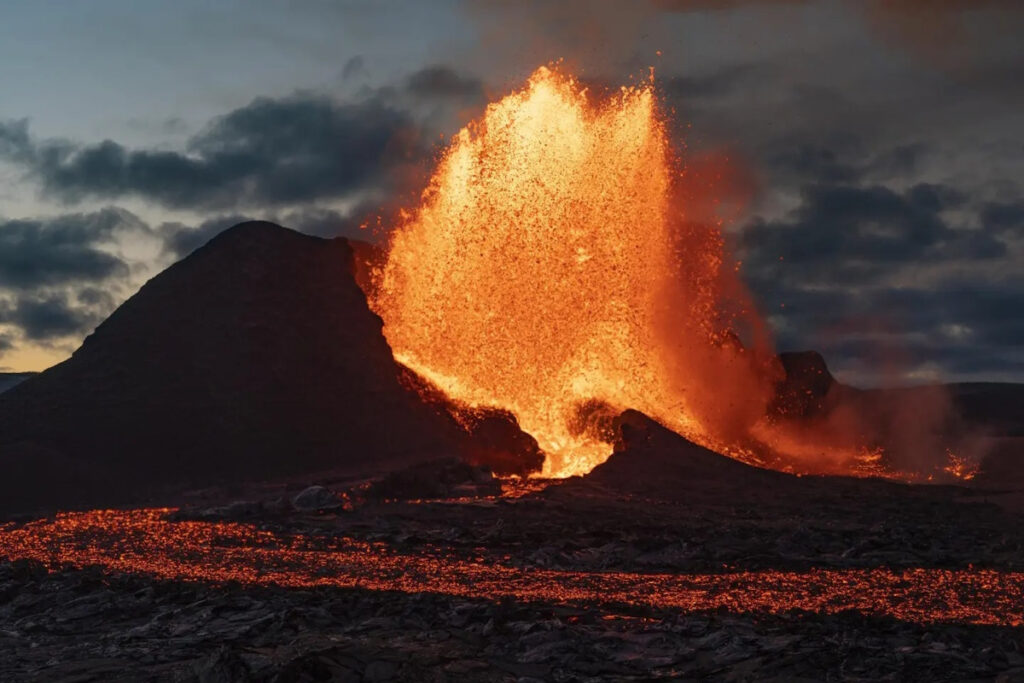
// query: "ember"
[[563, 265], [549, 268], [960, 467], [144, 541]]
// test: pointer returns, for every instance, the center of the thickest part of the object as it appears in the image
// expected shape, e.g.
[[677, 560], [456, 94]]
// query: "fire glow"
[[563, 264], [552, 270], [145, 541]]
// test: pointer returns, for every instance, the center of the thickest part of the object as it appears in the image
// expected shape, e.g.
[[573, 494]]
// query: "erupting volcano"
[[596, 398], [553, 268]]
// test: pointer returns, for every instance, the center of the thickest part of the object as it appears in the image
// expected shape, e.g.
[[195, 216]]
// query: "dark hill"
[[651, 460], [9, 380], [254, 357], [653, 463], [805, 385]]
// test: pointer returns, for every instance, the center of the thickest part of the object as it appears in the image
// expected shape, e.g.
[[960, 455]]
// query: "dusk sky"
[[880, 147]]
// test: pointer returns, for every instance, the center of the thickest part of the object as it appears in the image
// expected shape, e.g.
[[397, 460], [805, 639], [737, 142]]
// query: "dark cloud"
[[61, 250], [829, 275], [57, 277], [901, 161], [328, 222], [353, 68], [715, 84], [15, 143], [1004, 217], [44, 318], [56, 281], [270, 152], [964, 327], [444, 82], [810, 161], [840, 230], [95, 297]]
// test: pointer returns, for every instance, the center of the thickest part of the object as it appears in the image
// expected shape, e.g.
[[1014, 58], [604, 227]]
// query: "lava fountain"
[[551, 269]]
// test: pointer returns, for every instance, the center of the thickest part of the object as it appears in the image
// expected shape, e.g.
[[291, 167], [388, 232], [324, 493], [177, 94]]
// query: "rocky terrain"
[[84, 625], [394, 581], [278, 500]]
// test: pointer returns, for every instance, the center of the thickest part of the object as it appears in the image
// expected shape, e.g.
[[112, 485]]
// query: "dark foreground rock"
[[650, 459], [91, 625], [9, 380], [82, 625]]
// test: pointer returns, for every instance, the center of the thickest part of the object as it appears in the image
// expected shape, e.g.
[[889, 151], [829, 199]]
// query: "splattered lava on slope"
[[552, 269]]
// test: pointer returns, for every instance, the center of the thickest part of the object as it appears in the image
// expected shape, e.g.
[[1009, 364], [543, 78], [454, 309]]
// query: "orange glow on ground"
[[142, 541]]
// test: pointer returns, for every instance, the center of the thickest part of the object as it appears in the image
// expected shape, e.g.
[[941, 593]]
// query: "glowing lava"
[[146, 542], [551, 269]]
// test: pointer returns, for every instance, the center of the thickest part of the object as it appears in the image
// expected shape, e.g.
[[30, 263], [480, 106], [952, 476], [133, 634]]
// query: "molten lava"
[[552, 270], [147, 542]]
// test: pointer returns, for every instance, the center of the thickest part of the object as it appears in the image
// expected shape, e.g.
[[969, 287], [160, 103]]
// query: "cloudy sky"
[[877, 147]]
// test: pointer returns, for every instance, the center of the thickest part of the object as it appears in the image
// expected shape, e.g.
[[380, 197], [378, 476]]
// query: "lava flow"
[[552, 269], [145, 541]]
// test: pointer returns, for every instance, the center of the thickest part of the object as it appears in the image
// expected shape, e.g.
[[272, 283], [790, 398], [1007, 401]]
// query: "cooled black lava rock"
[[803, 390], [651, 460]]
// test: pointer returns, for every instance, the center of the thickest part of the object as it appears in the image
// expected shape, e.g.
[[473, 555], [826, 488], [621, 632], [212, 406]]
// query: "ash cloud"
[[53, 316]]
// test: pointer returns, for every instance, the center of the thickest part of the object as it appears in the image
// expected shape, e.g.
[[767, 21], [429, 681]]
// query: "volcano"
[[254, 357]]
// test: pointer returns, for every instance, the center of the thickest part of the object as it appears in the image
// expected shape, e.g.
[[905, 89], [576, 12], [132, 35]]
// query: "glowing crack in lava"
[[145, 541], [551, 269]]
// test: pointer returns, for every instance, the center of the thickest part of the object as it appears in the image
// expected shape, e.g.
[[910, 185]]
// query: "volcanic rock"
[[434, 479], [499, 443], [650, 459], [126, 628], [9, 380], [314, 499], [803, 390], [254, 357]]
